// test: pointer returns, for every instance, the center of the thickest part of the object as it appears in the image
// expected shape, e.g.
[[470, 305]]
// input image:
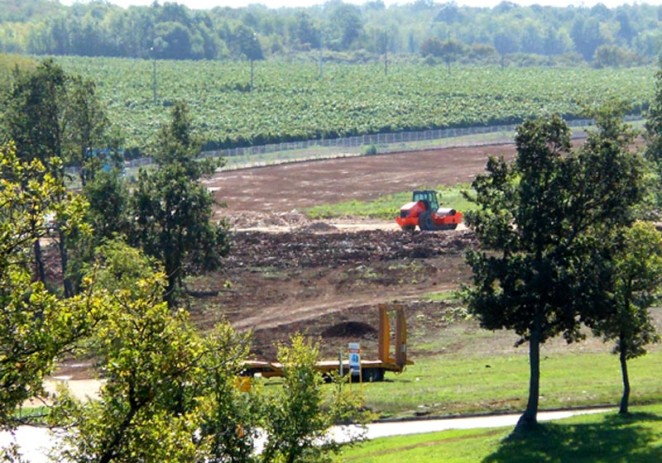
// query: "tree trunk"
[[64, 263], [529, 419], [109, 452], [82, 174], [626, 379], [40, 272]]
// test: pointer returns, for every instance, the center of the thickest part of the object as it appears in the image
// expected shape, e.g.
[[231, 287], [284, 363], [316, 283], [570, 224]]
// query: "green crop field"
[[289, 102]]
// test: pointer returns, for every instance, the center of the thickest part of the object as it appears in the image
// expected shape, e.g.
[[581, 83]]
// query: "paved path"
[[387, 429], [35, 442]]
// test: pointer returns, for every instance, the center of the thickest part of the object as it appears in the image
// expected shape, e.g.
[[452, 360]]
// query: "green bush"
[[368, 150]]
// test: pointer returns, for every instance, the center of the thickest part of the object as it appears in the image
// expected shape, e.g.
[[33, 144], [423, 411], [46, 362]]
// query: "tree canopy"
[[36, 325], [542, 223], [169, 30], [637, 277], [173, 209]]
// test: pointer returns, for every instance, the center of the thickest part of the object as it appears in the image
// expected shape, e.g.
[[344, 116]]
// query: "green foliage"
[[108, 197], [542, 224], [173, 209], [45, 120], [171, 395], [26, 10], [613, 56], [173, 31], [638, 272], [146, 407], [297, 420], [289, 103], [34, 112], [86, 123], [229, 415], [36, 326], [654, 140], [369, 150], [117, 267], [637, 275], [9, 63]]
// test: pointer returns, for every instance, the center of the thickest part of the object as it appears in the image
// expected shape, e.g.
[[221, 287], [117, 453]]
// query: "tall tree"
[[654, 139], [505, 43], [540, 222], [587, 36], [172, 209], [85, 126], [108, 197], [298, 420], [35, 326], [149, 356], [637, 276], [35, 118], [346, 26], [304, 34]]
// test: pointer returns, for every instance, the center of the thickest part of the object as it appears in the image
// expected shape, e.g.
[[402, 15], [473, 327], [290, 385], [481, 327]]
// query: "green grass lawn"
[[387, 206], [484, 383], [590, 438]]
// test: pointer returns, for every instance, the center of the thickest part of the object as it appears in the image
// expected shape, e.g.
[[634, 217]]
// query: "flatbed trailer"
[[370, 370]]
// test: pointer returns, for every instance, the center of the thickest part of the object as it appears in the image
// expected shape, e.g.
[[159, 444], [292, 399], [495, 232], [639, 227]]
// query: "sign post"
[[355, 359]]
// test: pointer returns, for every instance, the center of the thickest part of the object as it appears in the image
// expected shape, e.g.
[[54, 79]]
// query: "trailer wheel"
[[372, 375]]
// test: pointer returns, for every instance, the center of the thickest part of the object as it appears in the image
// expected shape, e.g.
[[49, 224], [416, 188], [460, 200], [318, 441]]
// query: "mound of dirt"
[[298, 249], [351, 329], [264, 220], [317, 227]]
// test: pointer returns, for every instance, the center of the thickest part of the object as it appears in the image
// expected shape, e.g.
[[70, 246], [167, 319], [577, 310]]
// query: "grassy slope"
[[462, 369], [484, 383], [590, 438], [386, 207]]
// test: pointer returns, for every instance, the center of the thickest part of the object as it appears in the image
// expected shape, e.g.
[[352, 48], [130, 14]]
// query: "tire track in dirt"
[[272, 317]]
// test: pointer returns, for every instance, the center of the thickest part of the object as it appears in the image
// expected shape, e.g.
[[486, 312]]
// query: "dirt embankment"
[[315, 282]]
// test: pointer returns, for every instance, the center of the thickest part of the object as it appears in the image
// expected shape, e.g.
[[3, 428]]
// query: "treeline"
[[629, 34]]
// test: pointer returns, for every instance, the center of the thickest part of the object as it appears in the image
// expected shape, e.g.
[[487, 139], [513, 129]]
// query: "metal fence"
[[382, 143]]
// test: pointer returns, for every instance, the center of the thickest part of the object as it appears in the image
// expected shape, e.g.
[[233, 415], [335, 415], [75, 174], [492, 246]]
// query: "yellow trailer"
[[370, 370]]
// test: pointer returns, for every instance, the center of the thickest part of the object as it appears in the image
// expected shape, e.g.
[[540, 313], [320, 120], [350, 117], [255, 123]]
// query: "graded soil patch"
[[296, 186]]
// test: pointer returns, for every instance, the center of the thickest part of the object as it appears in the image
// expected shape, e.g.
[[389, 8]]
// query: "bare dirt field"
[[287, 273], [295, 186]]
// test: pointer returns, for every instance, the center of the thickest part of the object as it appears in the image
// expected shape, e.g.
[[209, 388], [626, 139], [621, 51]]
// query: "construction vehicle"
[[424, 211], [370, 370]]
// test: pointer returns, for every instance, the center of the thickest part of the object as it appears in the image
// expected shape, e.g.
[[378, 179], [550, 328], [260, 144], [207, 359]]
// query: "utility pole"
[[251, 57], [448, 53], [252, 72], [386, 53], [154, 81], [321, 58]]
